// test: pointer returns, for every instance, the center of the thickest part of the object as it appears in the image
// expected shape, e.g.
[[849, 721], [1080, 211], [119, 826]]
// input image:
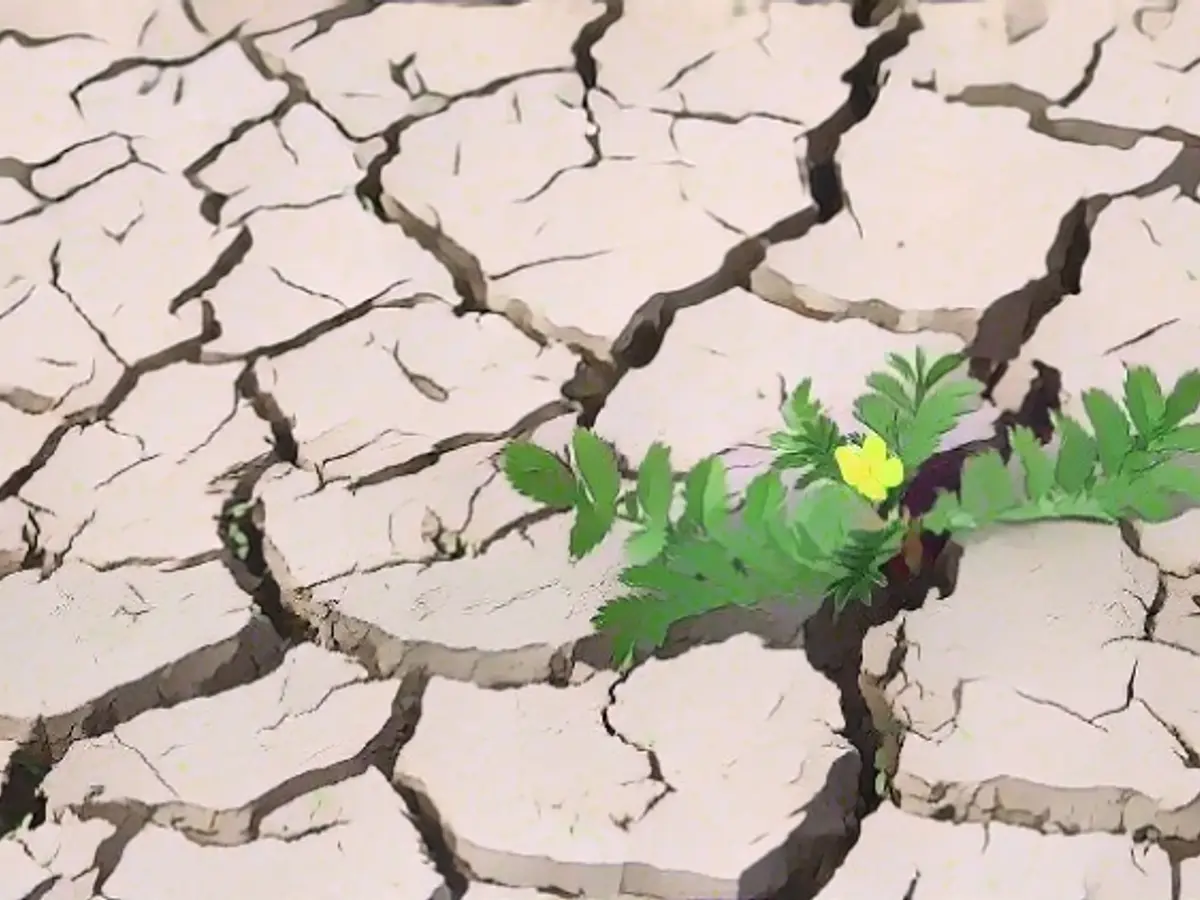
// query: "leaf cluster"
[[689, 551], [692, 548], [1125, 466], [915, 405]]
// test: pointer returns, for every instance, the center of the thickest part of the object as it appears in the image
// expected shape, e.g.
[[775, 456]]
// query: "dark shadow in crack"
[[826, 834], [22, 797], [1011, 320], [642, 337]]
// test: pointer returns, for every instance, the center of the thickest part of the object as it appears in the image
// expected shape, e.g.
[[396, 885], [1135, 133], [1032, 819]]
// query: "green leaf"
[[810, 438], [1139, 462], [1144, 400], [1177, 478], [810, 448], [987, 488], [705, 493], [635, 622], [860, 561], [539, 475], [645, 544], [936, 417], [655, 487], [1058, 507], [590, 527], [1184, 399], [947, 516], [1141, 498], [800, 406], [903, 366], [890, 388], [1035, 463], [880, 416], [1077, 455], [942, 367], [764, 498], [919, 360], [825, 518], [1184, 439], [1113, 439], [598, 472]]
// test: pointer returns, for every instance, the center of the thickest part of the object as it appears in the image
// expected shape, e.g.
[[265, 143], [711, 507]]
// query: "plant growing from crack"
[[693, 548], [232, 526]]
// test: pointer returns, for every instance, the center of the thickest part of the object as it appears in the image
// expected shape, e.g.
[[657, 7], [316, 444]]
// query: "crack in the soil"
[[1008, 322], [834, 646], [1038, 108], [207, 827], [640, 340], [227, 260], [187, 350], [653, 764], [589, 36], [119, 67], [23, 173]]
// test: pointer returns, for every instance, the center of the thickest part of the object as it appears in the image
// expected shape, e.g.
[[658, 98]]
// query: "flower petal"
[[891, 473], [872, 490], [851, 464], [875, 450]]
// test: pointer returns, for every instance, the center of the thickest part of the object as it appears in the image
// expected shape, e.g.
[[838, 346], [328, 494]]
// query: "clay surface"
[[278, 280]]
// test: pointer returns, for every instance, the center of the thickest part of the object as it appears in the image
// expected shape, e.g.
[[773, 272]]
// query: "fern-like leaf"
[[914, 409]]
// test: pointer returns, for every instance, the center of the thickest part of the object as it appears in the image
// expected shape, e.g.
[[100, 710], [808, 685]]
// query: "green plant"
[[232, 525], [693, 548]]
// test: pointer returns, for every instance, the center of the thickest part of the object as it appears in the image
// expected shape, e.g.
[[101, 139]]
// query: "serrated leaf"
[[695, 484], [764, 496], [659, 577], [936, 417], [1139, 462], [987, 488], [809, 447], [861, 560], [947, 516], [538, 474], [919, 363], [800, 406], [903, 366], [1177, 478], [1077, 455], [763, 570], [890, 388], [942, 367], [1184, 439], [880, 416], [655, 487], [713, 568], [1058, 507], [822, 521], [634, 622], [1184, 399], [1111, 428], [1144, 399], [645, 544], [1036, 465], [598, 473], [1153, 506], [705, 493], [590, 527]]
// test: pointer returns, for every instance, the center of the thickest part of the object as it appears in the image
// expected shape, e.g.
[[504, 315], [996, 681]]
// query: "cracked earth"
[[295, 272]]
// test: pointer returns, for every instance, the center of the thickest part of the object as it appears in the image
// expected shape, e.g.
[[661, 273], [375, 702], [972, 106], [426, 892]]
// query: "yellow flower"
[[869, 469]]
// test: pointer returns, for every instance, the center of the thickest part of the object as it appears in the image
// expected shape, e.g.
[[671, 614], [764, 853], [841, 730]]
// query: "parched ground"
[[285, 276]]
